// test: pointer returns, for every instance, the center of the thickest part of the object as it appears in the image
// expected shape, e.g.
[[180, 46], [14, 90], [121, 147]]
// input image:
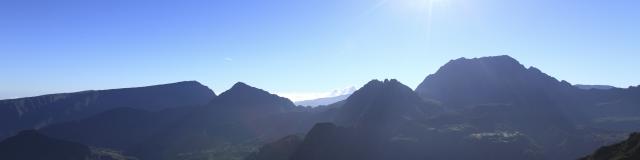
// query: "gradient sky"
[[304, 47]]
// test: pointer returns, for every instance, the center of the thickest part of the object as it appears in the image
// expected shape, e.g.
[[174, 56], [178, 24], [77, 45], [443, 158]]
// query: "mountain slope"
[[626, 150], [31, 145], [279, 150], [378, 102], [120, 128], [36, 112]]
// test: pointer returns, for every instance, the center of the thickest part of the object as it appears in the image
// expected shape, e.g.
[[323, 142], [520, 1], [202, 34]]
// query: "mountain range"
[[482, 108], [479, 108]]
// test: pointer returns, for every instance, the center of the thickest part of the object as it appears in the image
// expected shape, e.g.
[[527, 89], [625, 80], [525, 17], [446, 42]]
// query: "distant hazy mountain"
[[588, 87], [36, 112], [322, 101], [334, 96], [626, 150]]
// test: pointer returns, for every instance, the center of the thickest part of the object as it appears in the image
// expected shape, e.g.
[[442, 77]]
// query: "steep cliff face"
[[40, 111]]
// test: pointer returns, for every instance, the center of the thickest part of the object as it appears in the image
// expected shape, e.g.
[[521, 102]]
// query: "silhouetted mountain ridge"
[[37, 112]]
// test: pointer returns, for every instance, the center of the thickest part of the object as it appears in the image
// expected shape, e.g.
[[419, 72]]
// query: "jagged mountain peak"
[[387, 84], [489, 62], [383, 82], [377, 90]]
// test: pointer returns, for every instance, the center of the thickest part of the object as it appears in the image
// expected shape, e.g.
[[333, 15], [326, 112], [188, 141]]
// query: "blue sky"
[[304, 47]]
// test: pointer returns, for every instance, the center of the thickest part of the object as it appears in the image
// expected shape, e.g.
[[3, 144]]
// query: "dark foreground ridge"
[[625, 150], [31, 145]]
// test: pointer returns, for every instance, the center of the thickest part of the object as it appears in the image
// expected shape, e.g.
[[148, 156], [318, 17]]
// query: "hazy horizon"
[[298, 48]]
